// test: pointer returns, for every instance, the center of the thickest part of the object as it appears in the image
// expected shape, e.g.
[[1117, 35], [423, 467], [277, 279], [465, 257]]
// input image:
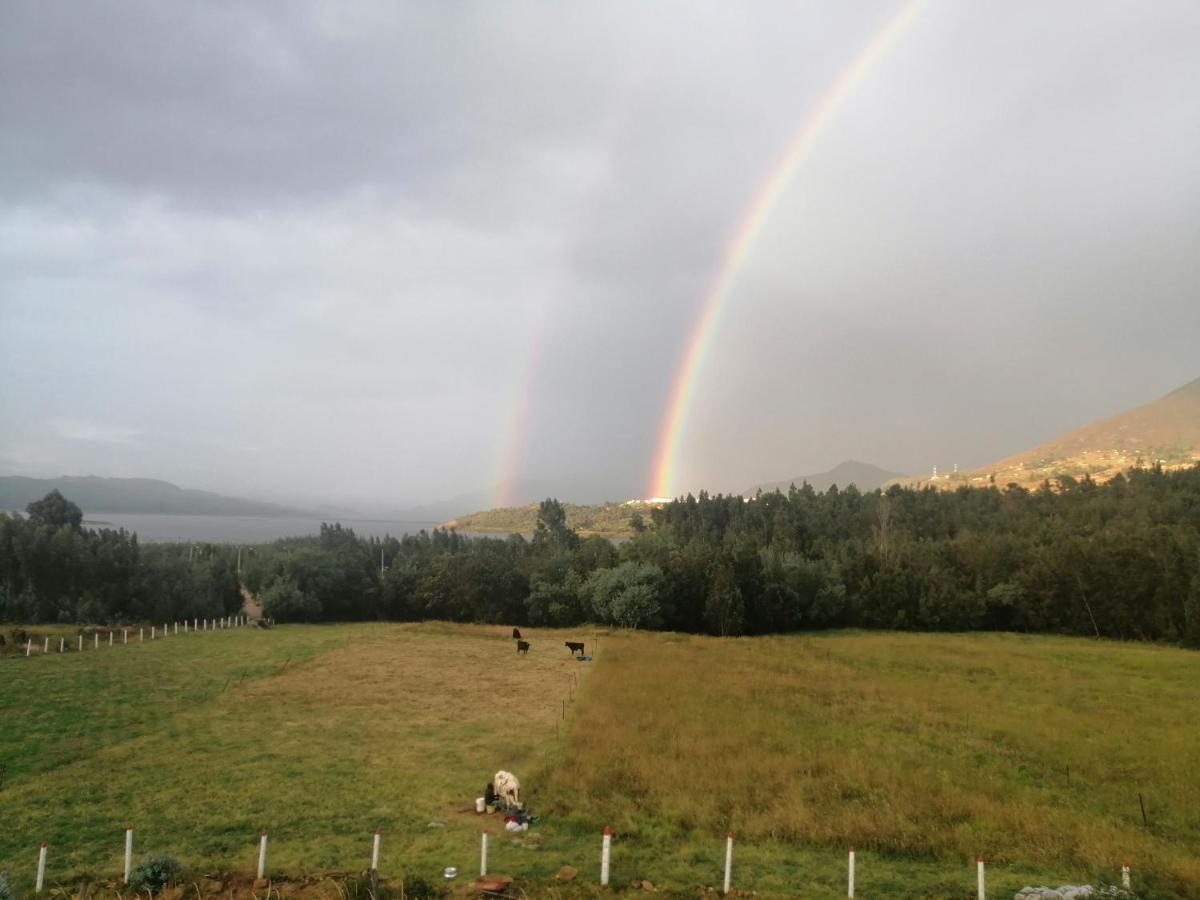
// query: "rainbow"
[[683, 387], [514, 450]]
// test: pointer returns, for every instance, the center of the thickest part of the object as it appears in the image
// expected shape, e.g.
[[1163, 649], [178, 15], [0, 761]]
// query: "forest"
[[1116, 560]]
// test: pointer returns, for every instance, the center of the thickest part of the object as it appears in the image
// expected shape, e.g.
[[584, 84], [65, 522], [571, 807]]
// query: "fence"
[[168, 629], [604, 872]]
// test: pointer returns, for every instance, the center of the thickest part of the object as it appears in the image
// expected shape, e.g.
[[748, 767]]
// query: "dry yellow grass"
[[913, 746]]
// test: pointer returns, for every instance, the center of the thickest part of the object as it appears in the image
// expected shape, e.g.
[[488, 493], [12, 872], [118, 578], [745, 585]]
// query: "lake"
[[154, 529]]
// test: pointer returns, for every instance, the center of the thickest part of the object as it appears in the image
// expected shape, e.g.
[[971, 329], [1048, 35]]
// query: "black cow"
[[523, 647], [516, 634], [575, 646]]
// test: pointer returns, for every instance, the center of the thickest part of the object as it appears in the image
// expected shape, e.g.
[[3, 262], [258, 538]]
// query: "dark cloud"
[[317, 248]]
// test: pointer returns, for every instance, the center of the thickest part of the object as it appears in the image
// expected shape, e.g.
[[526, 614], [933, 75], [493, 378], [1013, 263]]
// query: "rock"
[[649, 887], [566, 873], [261, 884], [1070, 892]]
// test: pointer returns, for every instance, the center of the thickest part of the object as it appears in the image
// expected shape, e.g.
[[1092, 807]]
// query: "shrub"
[[414, 887], [285, 602], [154, 873]]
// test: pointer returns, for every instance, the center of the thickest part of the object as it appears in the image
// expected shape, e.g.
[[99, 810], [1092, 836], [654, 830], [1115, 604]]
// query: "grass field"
[[922, 750]]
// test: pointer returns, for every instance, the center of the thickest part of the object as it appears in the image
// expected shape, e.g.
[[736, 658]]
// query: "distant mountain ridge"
[[133, 495], [865, 476]]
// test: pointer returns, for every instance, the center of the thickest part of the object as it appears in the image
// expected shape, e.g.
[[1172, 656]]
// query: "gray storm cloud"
[[315, 250]]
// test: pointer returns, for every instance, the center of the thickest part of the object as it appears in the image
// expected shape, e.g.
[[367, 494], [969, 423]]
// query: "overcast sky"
[[336, 250]]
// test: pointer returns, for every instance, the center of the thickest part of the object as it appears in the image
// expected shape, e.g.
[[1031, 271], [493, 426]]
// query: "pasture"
[[921, 750]]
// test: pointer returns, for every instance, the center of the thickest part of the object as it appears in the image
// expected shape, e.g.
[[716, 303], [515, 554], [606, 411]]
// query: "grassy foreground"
[[922, 750]]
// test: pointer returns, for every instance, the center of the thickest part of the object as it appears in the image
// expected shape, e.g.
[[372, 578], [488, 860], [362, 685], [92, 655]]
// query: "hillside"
[[865, 476], [1165, 432], [605, 519], [132, 495]]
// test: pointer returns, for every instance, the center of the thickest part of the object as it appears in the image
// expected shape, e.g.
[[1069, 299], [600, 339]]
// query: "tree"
[[724, 608], [551, 531], [627, 595], [54, 510], [283, 600]]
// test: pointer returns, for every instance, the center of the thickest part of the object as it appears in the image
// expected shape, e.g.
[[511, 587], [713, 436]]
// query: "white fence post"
[[1125, 874], [262, 855], [483, 854], [177, 628], [81, 643], [28, 646], [605, 855], [96, 641], [850, 885], [151, 632], [979, 876], [128, 852], [142, 634], [124, 635], [375, 852], [46, 646], [728, 861], [62, 645], [41, 875], [110, 639]]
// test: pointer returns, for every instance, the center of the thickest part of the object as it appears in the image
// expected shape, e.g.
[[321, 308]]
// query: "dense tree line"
[[1120, 560], [52, 569]]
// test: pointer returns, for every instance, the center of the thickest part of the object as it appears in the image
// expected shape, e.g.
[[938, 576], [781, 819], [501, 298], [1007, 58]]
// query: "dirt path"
[[250, 604]]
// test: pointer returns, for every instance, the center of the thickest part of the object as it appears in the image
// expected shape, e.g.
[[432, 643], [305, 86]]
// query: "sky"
[[392, 253]]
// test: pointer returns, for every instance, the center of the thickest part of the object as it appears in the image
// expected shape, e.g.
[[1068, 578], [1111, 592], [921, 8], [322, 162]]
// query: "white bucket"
[[480, 805]]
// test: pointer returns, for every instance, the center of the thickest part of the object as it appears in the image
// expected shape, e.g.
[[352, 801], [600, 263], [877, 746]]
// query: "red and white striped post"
[[979, 877], [850, 882], [483, 848], [1125, 874], [41, 873], [128, 852], [605, 855], [375, 852], [728, 861], [262, 855]]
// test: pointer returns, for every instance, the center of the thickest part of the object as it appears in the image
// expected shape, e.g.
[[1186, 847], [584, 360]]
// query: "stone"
[[566, 873]]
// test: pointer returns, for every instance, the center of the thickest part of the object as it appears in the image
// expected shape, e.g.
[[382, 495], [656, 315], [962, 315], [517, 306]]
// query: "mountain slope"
[[1165, 431], [863, 475], [132, 495]]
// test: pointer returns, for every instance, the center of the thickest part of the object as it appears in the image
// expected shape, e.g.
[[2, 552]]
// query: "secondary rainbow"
[[515, 445], [683, 386]]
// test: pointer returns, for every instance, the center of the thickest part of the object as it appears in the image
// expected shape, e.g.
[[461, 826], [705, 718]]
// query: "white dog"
[[508, 788]]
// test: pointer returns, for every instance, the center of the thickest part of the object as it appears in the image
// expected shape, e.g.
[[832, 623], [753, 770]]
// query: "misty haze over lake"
[[157, 529]]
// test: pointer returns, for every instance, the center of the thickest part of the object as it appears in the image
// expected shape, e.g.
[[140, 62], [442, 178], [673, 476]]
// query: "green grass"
[[922, 750]]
